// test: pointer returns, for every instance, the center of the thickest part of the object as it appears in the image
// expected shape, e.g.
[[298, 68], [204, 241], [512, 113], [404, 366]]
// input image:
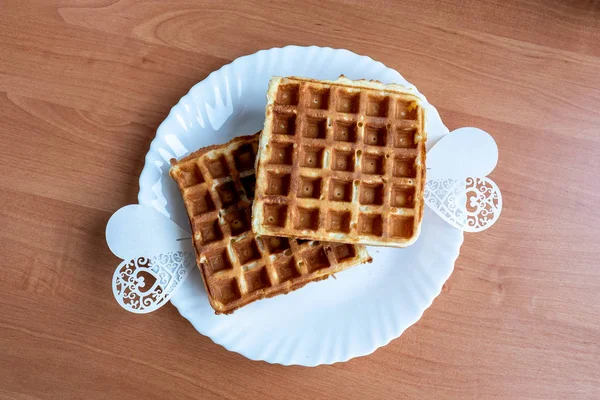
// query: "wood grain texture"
[[83, 87]]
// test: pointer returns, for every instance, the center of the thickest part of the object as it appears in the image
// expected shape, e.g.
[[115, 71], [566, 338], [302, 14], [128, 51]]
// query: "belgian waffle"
[[341, 161], [238, 267]]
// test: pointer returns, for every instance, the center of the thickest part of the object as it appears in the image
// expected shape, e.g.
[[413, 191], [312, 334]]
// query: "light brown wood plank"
[[83, 87]]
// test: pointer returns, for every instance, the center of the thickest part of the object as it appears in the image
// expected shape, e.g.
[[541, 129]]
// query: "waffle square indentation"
[[226, 291], [256, 279], [307, 218], [407, 110], [375, 135], [315, 128], [311, 157], [377, 106], [339, 221], [200, 199], [286, 268], [190, 175], [401, 226], [244, 157], [403, 196], [309, 187], [315, 259], [284, 124], [275, 244], [208, 232], [281, 153], [228, 194], [371, 193], [287, 95], [275, 215], [370, 224], [246, 251], [238, 222], [347, 102], [404, 167], [344, 252], [404, 138], [340, 190], [342, 160], [217, 261], [277, 184], [218, 168], [373, 164], [344, 131], [318, 99]]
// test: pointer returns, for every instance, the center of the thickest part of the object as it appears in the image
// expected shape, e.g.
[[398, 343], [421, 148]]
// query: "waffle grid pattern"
[[238, 267], [339, 159]]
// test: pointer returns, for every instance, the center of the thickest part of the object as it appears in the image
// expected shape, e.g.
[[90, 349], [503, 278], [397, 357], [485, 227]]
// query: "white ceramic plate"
[[324, 322]]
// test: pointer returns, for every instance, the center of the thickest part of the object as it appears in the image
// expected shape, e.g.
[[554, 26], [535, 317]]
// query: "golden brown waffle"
[[341, 161], [217, 184]]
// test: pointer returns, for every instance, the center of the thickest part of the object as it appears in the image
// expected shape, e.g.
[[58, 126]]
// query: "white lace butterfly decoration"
[[158, 254], [457, 186]]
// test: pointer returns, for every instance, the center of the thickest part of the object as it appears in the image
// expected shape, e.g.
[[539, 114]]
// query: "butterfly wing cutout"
[[457, 188], [157, 253]]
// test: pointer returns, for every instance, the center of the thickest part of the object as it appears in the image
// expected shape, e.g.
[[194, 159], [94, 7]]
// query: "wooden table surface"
[[83, 87]]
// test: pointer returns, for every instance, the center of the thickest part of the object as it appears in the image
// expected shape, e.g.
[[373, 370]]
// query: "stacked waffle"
[[339, 165]]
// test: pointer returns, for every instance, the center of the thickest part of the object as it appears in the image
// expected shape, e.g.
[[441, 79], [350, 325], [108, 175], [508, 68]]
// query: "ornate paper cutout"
[[144, 284], [472, 205]]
